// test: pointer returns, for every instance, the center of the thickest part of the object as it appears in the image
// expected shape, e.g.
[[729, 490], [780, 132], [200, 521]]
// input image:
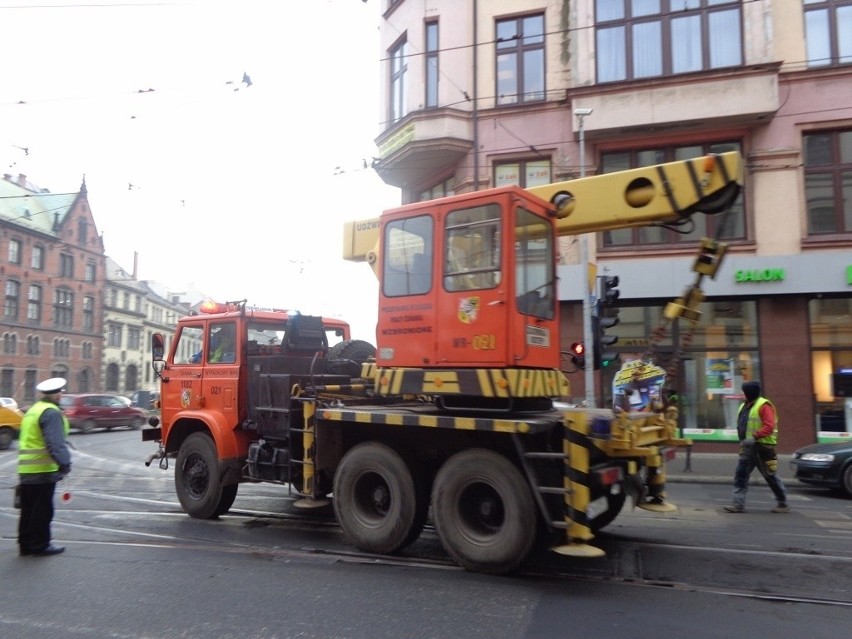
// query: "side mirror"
[[158, 347]]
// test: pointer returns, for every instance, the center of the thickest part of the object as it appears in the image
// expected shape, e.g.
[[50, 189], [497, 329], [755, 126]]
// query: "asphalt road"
[[137, 567]]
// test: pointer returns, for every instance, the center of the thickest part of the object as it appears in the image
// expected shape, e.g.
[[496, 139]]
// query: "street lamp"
[[584, 260]]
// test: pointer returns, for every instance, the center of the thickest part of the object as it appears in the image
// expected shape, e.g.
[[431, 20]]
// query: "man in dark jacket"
[[757, 427], [43, 460]]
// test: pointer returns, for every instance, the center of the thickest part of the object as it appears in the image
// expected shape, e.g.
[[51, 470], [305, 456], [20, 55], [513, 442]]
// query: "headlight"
[[817, 457]]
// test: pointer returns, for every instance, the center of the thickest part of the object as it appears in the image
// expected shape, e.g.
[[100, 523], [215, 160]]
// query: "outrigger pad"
[[578, 550], [658, 506]]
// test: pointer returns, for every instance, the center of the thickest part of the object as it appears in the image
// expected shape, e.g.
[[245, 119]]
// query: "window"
[[828, 32], [33, 345], [88, 312], [82, 231], [431, 64], [473, 248], [698, 226], [7, 382], [112, 377], [524, 173], [61, 348], [66, 265], [534, 266], [14, 251], [398, 67], [63, 308], [188, 350], [87, 350], [407, 268], [134, 342], [30, 382], [114, 335], [12, 300], [34, 303], [10, 343], [37, 258], [91, 271], [828, 181], [651, 38], [520, 60], [441, 189]]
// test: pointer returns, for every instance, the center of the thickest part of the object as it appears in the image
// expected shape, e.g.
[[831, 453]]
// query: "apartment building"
[[483, 93], [52, 269]]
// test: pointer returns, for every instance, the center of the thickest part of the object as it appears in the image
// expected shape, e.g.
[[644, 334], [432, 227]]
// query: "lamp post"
[[584, 260]]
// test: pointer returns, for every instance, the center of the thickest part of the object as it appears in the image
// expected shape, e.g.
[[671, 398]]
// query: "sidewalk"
[[718, 468]]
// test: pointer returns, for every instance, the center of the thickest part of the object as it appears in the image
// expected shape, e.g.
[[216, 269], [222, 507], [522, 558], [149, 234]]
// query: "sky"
[[222, 142]]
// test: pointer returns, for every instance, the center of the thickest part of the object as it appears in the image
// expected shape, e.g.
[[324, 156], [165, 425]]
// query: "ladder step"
[[551, 490], [272, 409], [545, 455]]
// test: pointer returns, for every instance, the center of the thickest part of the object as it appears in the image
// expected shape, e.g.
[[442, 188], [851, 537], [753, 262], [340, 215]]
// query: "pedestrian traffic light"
[[605, 318], [578, 355]]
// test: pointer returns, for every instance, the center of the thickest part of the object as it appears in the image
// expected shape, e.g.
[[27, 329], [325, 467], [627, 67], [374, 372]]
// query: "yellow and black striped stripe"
[[479, 382]]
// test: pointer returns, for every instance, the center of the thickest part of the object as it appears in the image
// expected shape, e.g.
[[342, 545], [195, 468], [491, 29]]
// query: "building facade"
[[52, 269], [486, 93]]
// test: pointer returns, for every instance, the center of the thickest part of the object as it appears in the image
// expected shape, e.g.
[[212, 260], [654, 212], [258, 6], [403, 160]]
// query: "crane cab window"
[[534, 266], [222, 344], [407, 268], [472, 256]]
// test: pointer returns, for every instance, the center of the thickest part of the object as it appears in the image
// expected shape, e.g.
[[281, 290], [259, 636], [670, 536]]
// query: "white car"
[[8, 402]]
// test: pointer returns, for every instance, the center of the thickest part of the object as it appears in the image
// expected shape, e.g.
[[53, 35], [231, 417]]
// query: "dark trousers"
[[36, 515], [765, 460]]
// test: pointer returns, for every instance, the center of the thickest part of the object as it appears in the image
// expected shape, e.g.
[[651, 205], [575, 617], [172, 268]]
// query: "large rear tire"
[[376, 499], [347, 357], [197, 481], [484, 512]]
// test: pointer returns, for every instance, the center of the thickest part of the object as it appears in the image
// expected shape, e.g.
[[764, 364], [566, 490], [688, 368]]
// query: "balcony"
[[423, 144], [743, 96]]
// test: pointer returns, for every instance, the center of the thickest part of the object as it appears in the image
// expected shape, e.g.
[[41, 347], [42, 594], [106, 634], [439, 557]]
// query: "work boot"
[[781, 508], [735, 508]]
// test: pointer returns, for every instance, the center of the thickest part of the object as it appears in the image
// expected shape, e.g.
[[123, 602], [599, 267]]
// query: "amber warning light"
[[210, 306]]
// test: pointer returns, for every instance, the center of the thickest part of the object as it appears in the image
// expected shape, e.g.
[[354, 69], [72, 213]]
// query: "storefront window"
[[831, 362]]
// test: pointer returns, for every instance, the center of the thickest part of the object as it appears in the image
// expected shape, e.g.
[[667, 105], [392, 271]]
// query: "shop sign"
[[759, 275]]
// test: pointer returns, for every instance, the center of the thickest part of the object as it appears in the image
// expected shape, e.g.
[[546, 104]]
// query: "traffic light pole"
[[584, 260]]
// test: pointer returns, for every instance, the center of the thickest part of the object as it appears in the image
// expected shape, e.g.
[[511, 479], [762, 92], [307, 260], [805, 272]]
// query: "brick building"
[[52, 270]]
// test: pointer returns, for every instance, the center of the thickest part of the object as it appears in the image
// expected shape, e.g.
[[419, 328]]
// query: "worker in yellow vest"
[[757, 427], [43, 460]]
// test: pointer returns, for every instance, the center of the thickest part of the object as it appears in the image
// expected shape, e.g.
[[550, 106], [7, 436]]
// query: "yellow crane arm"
[[657, 194]]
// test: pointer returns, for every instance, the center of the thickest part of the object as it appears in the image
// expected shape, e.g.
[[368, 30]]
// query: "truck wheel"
[[346, 357], [6, 437], [376, 500], [197, 482], [484, 512]]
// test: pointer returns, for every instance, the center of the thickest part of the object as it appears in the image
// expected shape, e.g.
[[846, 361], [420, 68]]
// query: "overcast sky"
[[233, 189]]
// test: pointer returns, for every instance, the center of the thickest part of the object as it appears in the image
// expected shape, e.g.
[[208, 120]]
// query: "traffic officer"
[[43, 460], [757, 427]]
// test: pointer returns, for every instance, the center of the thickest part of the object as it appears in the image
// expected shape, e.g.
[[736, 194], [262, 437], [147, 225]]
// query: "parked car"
[[8, 402], [826, 465], [88, 411], [138, 399], [10, 424]]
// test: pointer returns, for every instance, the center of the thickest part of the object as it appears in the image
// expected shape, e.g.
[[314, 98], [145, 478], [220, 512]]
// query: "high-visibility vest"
[[754, 423], [33, 456]]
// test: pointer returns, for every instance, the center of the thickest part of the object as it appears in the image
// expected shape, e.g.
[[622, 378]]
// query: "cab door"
[[181, 385], [221, 369]]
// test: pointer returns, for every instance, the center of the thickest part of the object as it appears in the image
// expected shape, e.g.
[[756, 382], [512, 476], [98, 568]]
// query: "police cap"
[[52, 385]]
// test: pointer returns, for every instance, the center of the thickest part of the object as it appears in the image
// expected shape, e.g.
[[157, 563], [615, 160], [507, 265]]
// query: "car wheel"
[[136, 423], [87, 426], [6, 438], [847, 480]]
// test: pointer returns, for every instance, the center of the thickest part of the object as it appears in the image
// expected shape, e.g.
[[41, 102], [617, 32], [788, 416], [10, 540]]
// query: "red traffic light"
[[578, 355], [577, 348]]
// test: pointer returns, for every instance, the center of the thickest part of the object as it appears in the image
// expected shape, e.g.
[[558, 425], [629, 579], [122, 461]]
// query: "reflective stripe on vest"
[[33, 456], [754, 423]]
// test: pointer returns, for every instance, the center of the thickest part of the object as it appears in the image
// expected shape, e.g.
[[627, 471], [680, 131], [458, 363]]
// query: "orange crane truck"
[[452, 415]]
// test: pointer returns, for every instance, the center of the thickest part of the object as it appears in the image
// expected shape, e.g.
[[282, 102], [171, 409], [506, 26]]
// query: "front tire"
[[197, 480], [484, 512], [376, 499]]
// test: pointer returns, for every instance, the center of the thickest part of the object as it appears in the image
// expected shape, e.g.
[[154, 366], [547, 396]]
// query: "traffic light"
[[578, 355], [605, 318]]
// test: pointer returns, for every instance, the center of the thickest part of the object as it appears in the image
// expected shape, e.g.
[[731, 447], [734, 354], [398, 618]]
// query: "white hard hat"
[[52, 385]]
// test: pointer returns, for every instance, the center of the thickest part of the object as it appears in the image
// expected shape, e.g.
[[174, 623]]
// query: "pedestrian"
[[43, 460], [757, 428]]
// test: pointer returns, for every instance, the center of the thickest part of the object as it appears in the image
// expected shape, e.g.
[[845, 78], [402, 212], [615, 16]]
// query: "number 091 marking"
[[484, 342]]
